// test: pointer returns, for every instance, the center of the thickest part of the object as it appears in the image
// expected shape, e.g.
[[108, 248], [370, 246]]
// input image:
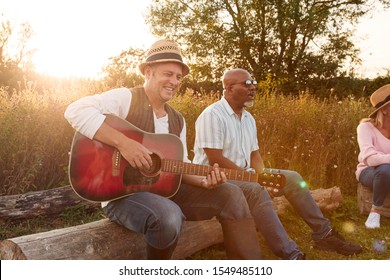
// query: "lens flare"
[[379, 246], [348, 227], [303, 184]]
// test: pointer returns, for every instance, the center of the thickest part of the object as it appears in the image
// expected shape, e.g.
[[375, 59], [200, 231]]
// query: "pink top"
[[374, 147]]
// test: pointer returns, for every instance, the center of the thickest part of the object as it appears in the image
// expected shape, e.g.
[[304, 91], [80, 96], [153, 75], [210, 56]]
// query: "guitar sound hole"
[[132, 176], [156, 166]]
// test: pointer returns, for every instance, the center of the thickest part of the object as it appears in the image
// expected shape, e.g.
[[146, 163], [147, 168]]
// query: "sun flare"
[[77, 38]]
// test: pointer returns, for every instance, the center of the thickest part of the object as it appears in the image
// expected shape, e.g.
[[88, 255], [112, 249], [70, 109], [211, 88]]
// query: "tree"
[[15, 64], [292, 40], [122, 69]]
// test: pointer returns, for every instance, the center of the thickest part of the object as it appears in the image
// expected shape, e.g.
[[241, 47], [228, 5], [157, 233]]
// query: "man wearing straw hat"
[[373, 169], [158, 217]]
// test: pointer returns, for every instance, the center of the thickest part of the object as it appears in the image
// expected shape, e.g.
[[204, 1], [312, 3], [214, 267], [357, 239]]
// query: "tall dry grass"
[[34, 136], [312, 136]]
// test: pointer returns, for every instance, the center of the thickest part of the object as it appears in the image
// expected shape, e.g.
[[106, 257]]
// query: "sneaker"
[[373, 220], [335, 242]]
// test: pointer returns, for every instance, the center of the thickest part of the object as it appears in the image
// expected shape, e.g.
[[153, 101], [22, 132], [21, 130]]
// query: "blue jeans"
[[377, 178], [160, 219], [267, 220], [298, 194]]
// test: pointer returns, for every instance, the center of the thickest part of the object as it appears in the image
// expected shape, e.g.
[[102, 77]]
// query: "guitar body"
[[97, 171]]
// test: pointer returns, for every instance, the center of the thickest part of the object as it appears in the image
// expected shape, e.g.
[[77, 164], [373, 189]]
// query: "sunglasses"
[[246, 83]]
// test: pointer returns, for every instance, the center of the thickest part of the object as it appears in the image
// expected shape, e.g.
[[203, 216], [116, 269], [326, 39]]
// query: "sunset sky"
[[76, 38]]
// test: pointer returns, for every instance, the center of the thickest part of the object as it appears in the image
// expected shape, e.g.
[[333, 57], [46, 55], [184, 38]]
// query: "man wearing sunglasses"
[[226, 134]]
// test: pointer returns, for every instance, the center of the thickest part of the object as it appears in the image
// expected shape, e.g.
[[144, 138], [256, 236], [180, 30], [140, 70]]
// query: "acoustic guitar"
[[98, 172]]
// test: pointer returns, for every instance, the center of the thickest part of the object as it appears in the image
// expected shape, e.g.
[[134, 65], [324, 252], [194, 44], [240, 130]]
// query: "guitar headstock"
[[273, 181]]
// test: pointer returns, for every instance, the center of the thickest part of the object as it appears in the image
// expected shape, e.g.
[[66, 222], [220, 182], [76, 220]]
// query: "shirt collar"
[[229, 110]]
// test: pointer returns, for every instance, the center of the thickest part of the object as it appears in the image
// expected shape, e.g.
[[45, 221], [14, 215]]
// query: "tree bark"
[[326, 199], [49, 203]]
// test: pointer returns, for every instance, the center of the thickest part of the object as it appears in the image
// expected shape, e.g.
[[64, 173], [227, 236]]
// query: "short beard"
[[248, 104]]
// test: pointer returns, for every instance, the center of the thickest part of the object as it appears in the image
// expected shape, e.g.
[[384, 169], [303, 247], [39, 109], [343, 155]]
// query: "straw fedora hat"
[[164, 51], [380, 98]]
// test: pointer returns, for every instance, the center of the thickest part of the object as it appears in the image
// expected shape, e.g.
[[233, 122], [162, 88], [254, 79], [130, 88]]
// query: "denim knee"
[[383, 171], [162, 228], [235, 205], [158, 218], [256, 195], [294, 183]]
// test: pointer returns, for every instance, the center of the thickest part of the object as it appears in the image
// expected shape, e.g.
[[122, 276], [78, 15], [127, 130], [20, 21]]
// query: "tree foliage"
[[122, 70], [15, 59], [293, 40]]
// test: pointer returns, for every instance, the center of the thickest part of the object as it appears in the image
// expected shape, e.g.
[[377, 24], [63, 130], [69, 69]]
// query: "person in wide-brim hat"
[[373, 169], [379, 99], [164, 51]]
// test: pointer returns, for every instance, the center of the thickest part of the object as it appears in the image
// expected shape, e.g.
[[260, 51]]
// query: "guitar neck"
[[179, 167]]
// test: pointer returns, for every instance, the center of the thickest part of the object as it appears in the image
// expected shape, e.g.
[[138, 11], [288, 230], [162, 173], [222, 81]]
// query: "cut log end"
[[9, 250]]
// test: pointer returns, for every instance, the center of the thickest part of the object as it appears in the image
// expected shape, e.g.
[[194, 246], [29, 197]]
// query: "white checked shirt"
[[219, 127]]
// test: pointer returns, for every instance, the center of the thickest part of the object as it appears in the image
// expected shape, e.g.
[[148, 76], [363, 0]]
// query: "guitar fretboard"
[[179, 167]]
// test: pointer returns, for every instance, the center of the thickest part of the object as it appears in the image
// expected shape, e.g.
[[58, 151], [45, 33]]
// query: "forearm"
[[110, 136], [257, 162], [224, 162]]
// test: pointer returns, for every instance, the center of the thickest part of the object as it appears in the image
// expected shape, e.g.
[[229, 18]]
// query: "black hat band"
[[387, 99], [160, 56]]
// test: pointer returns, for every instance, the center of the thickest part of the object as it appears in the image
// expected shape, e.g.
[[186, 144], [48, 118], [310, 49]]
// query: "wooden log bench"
[[106, 240], [364, 201], [102, 240]]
